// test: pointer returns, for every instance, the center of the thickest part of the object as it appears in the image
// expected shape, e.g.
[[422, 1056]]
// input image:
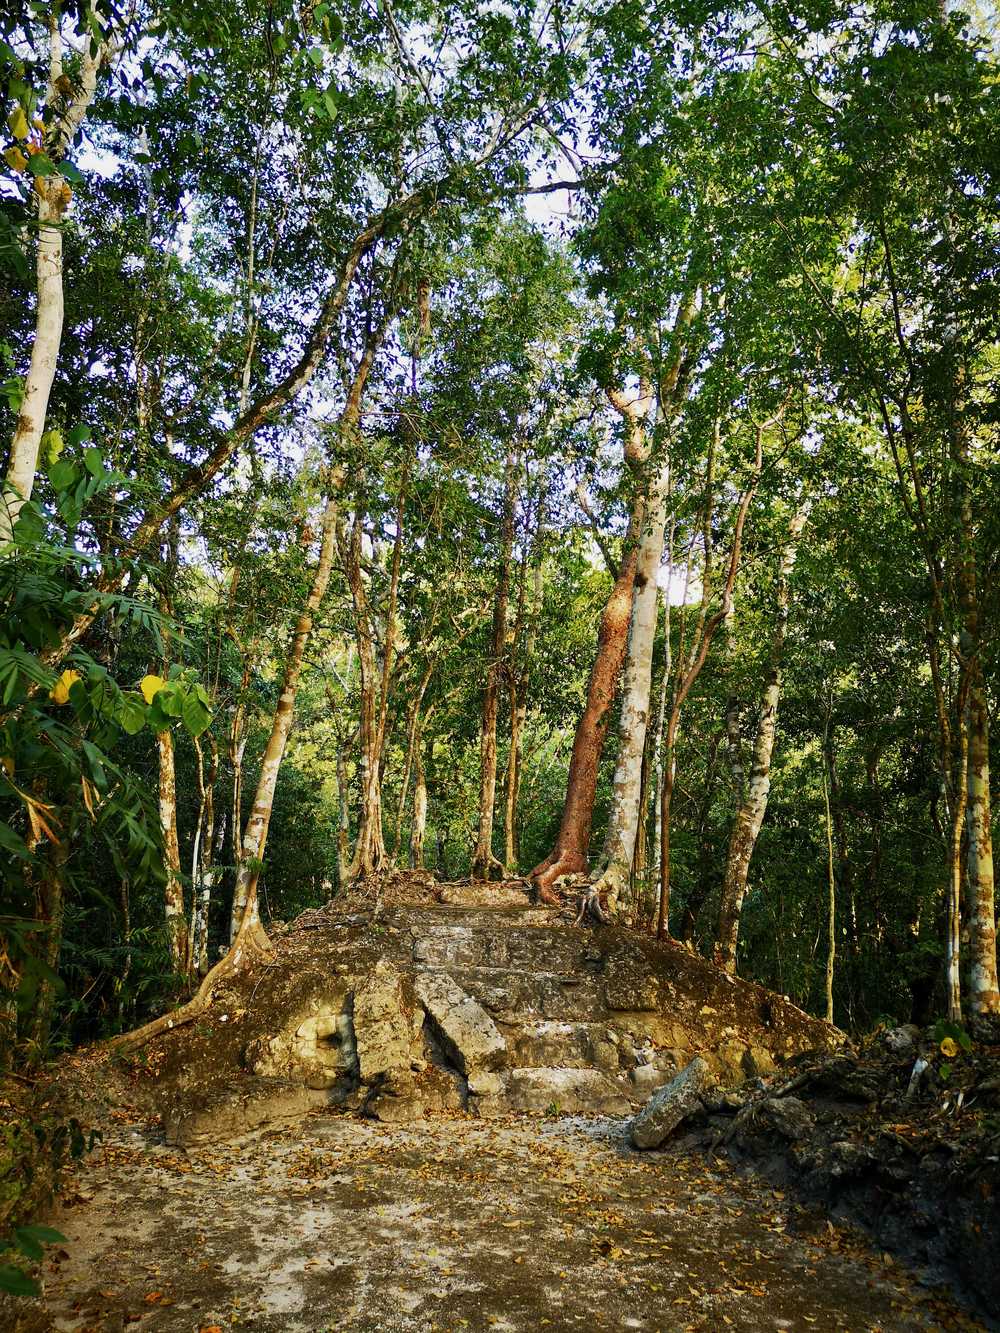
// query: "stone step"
[[537, 949], [559, 1091], [545, 1043], [513, 996]]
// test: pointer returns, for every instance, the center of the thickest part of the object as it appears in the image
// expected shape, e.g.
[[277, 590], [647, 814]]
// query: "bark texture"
[[750, 815], [53, 195]]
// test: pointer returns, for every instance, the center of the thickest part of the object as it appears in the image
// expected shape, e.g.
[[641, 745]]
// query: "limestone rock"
[[645, 1079], [383, 1028], [225, 1113], [464, 1028], [758, 1062], [564, 1092], [667, 1108], [315, 1047], [902, 1039], [787, 1116]]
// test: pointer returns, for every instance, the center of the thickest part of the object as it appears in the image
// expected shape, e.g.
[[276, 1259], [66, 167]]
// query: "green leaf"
[[27, 1244], [316, 56], [47, 1235], [195, 714], [16, 1282], [170, 701], [131, 715], [39, 165], [63, 475], [73, 174], [93, 462], [10, 842]]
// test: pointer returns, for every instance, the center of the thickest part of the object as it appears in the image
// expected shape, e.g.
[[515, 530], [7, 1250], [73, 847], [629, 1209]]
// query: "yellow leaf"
[[18, 123], [59, 694], [949, 1047], [151, 686], [15, 159]]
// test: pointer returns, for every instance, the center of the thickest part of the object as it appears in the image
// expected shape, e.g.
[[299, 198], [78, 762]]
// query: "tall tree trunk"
[[953, 942], [343, 819], [984, 997], [50, 907], [623, 822], [418, 827], [176, 917], [750, 816], [203, 858], [661, 713], [483, 860], [831, 916], [255, 834], [571, 854], [237, 745], [52, 194]]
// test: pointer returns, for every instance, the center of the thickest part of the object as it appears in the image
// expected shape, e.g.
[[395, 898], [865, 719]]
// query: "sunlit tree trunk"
[[418, 826], [483, 860], [237, 744], [623, 821], [203, 858], [343, 818], [750, 816], [571, 854], [52, 195], [176, 915]]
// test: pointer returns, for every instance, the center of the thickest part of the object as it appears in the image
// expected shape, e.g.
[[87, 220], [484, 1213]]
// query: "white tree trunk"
[[418, 828], [174, 892], [623, 824], [53, 195]]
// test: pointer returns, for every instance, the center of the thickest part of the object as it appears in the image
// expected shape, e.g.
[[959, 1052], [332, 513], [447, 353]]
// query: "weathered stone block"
[[383, 1026], [667, 1108], [464, 1028]]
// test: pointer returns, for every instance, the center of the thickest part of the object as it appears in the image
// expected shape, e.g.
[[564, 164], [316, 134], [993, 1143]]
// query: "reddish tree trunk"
[[570, 854]]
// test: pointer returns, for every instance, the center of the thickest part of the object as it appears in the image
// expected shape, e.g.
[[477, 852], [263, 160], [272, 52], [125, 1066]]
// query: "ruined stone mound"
[[473, 1001]]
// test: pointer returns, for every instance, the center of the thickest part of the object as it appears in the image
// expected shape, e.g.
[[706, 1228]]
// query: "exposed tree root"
[[590, 905], [561, 862], [251, 945]]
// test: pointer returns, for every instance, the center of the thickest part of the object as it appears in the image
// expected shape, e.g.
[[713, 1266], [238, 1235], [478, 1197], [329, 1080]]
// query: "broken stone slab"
[[463, 1027], [665, 1110], [564, 1092], [226, 1113], [384, 1025], [405, 1097]]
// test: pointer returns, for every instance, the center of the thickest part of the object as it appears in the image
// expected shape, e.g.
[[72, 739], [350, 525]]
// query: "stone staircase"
[[414, 1008]]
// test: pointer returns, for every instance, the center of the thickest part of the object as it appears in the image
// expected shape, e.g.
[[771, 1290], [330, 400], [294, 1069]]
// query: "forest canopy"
[[498, 440]]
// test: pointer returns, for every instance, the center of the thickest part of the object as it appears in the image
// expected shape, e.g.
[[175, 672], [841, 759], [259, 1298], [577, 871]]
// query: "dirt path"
[[456, 1224]]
